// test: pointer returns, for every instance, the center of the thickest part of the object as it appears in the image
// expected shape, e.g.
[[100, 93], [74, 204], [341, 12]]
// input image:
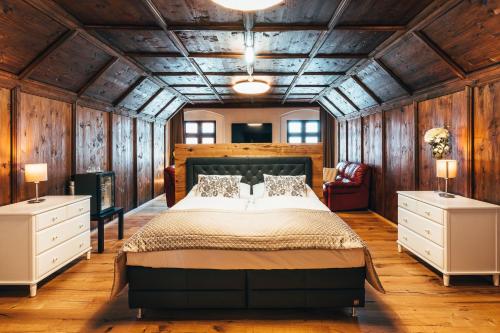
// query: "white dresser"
[[38, 239], [457, 236]]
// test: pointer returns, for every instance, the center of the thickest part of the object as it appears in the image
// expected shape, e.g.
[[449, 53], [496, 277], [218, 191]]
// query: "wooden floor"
[[416, 301]]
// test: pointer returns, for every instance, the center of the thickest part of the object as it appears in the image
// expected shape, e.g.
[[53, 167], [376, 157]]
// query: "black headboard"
[[251, 168]]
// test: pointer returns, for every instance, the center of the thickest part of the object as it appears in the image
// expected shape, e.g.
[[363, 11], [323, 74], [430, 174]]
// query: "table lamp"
[[446, 169], [35, 173]]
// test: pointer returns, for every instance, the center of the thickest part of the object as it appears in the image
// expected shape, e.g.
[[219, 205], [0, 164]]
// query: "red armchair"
[[351, 188], [169, 177]]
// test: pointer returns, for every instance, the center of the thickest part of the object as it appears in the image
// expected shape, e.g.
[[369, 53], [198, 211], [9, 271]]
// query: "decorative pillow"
[[218, 186], [294, 186]]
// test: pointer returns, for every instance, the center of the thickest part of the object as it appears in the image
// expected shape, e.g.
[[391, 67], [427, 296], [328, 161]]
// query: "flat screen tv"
[[251, 133]]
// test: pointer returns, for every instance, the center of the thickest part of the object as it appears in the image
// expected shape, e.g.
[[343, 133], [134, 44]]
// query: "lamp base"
[[446, 195], [38, 200]]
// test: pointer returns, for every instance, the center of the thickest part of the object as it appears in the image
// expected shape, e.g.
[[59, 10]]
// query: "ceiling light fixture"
[[247, 5], [249, 55], [251, 87]]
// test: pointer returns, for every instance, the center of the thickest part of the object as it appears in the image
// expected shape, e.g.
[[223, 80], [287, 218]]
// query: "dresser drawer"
[[430, 212], [424, 248], [55, 235], [77, 209], [50, 218], [422, 226], [407, 203], [59, 255]]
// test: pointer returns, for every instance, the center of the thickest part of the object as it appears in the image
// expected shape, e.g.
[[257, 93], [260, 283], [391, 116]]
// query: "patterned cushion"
[[294, 186], [218, 186]]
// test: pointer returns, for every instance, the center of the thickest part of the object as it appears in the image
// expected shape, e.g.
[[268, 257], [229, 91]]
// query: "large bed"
[[248, 252]]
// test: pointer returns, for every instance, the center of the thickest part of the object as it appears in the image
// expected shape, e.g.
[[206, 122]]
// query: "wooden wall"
[[72, 138], [158, 158], [183, 151], [393, 144]]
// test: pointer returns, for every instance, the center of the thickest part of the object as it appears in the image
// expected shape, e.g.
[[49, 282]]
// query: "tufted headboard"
[[251, 168]]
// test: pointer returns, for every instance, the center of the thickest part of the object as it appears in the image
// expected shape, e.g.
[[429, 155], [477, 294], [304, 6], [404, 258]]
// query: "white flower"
[[436, 133]]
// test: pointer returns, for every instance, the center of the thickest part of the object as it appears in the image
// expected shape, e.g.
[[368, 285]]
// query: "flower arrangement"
[[439, 139]]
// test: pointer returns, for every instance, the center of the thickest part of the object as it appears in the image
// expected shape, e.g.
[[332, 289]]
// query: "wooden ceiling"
[[154, 56]]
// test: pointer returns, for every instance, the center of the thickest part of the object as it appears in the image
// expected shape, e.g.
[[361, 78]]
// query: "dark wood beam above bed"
[[244, 73], [96, 77], [366, 89], [396, 78]]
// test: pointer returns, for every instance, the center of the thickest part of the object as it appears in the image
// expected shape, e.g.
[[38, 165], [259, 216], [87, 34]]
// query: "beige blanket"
[[273, 230]]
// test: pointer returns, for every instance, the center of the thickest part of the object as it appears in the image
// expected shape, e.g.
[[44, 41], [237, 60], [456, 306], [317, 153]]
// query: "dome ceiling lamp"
[[247, 5], [251, 87]]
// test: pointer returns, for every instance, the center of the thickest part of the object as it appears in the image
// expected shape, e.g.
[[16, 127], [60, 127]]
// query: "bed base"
[[171, 288]]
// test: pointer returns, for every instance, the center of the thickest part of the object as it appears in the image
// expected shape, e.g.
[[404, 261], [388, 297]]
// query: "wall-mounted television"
[[251, 133]]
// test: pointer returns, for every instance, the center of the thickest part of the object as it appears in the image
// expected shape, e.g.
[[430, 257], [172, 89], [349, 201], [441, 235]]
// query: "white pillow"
[[276, 186], [226, 186], [259, 191]]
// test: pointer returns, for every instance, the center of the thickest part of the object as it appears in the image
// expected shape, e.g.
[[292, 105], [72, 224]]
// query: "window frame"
[[200, 135], [302, 134]]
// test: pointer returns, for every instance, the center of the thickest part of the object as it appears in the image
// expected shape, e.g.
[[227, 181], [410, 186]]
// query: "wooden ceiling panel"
[[181, 79], [380, 82], [357, 42], [277, 65], [158, 103], [475, 42], [166, 64], [140, 95], [171, 109], [71, 65], [301, 96], [201, 97], [327, 104], [221, 65], [417, 65], [307, 90], [356, 94], [277, 90], [229, 80], [196, 12], [224, 90], [21, 43], [316, 79], [108, 12], [285, 41], [212, 41], [388, 12], [340, 102], [113, 83], [194, 90], [298, 12], [138, 40], [330, 65]]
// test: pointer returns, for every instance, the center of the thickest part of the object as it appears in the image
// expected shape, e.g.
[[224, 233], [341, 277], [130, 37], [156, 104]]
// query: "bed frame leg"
[[354, 312], [139, 313]]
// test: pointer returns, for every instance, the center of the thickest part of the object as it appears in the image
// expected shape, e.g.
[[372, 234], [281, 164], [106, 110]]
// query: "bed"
[[272, 269]]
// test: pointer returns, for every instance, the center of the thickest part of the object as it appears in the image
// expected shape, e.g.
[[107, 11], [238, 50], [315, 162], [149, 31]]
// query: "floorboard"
[[77, 300]]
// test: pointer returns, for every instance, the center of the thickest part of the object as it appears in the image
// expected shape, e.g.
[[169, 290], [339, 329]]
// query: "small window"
[[303, 131], [196, 132]]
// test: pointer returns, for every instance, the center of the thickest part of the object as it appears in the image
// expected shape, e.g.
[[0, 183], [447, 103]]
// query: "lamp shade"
[[446, 168], [34, 173]]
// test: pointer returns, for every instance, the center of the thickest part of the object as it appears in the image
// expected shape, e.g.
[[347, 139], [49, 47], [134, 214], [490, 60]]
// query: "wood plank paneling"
[[354, 138], [158, 157], [400, 156], [342, 140], [92, 135], [144, 160], [373, 156], [44, 137], [5, 142], [123, 160], [183, 151], [487, 143], [449, 111]]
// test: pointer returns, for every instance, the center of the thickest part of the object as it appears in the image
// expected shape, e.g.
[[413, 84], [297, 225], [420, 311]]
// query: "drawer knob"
[[54, 259], [405, 220], [54, 238], [405, 238], [405, 204], [427, 213], [80, 226], [427, 231], [428, 252], [81, 244], [80, 209], [54, 219]]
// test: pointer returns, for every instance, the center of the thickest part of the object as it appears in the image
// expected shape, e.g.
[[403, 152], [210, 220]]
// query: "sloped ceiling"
[[153, 56]]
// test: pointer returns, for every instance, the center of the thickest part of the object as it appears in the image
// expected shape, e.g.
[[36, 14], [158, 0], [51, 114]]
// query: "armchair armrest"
[[341, 187]]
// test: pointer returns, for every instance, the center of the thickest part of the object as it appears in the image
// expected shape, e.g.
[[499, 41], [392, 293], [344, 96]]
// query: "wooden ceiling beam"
[[122, 27], [428, 14], [455, 68], [160, 20], [366, 89], [346, 98], [67, 36], [58, 14], [374, 28], [393, 75], [177, 110], [334, 106], [97, 75], [149, 101], [221, 55], [230, 86], [129, 90], [244, 73], [165, 106], [339, 11]]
